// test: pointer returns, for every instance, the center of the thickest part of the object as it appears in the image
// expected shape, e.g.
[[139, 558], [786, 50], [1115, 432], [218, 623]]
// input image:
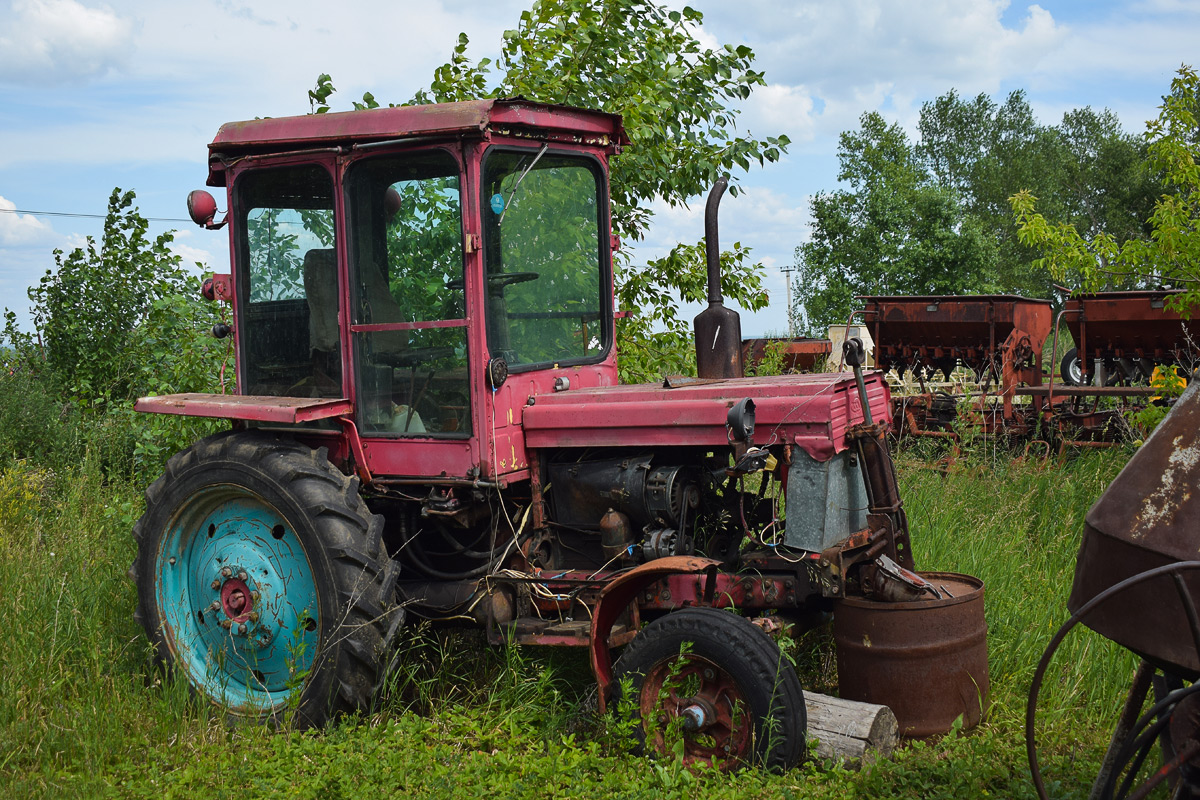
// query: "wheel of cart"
[[1171, 723], [717, 684], [262, 579]]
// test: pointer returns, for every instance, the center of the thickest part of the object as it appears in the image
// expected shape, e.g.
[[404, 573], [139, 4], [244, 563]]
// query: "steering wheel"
[[510, 278], [411, 358]]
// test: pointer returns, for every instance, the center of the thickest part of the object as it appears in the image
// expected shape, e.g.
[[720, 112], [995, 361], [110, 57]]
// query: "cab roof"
[[474, 118]]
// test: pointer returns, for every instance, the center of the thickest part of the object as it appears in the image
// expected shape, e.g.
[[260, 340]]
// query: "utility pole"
[[787, 279]]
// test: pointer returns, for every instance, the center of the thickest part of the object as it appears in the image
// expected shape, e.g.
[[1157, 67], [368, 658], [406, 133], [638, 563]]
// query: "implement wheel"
[[716, 680], [1070, 368], [262, 579]]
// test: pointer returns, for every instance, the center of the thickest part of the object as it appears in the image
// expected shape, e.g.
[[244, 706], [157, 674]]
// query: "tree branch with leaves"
[[678, 100], [1171, 254]]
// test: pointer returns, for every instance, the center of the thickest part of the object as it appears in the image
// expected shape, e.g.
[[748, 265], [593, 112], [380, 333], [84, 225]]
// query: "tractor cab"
[[394, 271]]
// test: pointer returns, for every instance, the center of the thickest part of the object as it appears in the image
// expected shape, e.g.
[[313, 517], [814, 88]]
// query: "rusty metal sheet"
[[729, 590], [618, 594], [1133, 324], [924, 659], [799, 353], [311, 130], [1147, 518], [248, 407], [966, 327]]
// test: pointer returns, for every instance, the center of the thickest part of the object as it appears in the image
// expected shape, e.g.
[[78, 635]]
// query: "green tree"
[[1171, 253], [932, 216], [1087, 170], [894, 231], [117, 318], [678, 99]]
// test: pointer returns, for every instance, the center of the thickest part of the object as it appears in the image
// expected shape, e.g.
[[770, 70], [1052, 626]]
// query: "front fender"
[[616, 597]]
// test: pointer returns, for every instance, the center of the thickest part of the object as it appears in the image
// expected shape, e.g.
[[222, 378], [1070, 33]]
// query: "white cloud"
[[52, 42], [20, 229], [775, 109], [837, 48], [827, 63], [193, 255]]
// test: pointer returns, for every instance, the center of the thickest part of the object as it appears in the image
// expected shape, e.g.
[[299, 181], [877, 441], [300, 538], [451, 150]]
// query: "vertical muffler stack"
[[1148, 517], [718, 329]]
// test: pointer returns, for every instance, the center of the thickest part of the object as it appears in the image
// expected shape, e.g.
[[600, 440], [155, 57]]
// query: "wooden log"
[[858, 733]]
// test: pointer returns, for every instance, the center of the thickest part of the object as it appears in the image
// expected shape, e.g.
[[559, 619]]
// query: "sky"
[[96, 95]]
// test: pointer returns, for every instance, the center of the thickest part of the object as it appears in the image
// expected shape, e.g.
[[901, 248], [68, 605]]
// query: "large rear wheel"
[[262, 579], [717, 681]]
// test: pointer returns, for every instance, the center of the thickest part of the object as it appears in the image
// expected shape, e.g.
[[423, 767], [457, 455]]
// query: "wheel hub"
[[237, 605], [237, 602], [697, 715]]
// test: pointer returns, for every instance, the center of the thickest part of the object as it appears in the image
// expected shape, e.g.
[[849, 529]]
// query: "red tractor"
[[428, 425]]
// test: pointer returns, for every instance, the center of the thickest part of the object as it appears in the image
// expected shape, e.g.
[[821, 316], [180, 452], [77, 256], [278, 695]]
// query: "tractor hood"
[[810, 411]]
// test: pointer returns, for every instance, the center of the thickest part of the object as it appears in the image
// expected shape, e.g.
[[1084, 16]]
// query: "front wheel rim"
[[237, 600], [693, 697]]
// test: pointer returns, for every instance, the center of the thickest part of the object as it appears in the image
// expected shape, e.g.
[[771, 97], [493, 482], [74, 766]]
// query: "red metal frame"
[[496, 449], [812, 411]]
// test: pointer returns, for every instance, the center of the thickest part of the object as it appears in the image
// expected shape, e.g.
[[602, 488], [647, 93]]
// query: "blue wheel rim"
[[237, 600]]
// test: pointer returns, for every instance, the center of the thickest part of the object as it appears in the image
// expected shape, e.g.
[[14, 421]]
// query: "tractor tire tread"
[[351, 544]]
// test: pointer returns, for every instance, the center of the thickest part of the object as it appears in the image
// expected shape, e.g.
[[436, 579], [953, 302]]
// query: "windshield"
[[544, 262]]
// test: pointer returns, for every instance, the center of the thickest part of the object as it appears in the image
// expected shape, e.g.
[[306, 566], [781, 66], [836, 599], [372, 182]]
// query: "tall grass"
[[83, 711], [1016, 525]]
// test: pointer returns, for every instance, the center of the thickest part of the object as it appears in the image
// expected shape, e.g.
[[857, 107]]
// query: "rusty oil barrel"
[[924, 659]]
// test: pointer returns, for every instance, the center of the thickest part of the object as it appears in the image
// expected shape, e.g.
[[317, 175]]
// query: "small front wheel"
[[719, 682], [263, 581]]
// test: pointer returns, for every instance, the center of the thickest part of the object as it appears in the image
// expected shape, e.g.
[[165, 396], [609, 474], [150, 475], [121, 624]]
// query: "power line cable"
[[82, 216]]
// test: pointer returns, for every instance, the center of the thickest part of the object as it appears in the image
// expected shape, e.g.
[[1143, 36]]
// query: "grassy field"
[[84, 713]]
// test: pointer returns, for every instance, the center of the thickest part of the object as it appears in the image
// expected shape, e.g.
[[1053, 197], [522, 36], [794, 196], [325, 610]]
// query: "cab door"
[[408, 314]]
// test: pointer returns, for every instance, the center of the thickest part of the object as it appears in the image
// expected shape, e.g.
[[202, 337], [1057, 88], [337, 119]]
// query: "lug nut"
[[225, 623], [242, 575], [226, 572], [216, 606], [215, 584], [241, 629], [252, 616], [255, 596]]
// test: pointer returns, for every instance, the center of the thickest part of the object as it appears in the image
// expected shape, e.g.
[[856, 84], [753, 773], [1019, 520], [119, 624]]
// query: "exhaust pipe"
[[718, 329]]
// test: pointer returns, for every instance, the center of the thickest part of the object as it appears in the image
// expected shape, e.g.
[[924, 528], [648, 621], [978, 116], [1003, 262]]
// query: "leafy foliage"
[[115, 320], [1171, 254], [1087, 168], [932, 216], [654, 339], [895, 231], [676, 99], [113, 314]]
